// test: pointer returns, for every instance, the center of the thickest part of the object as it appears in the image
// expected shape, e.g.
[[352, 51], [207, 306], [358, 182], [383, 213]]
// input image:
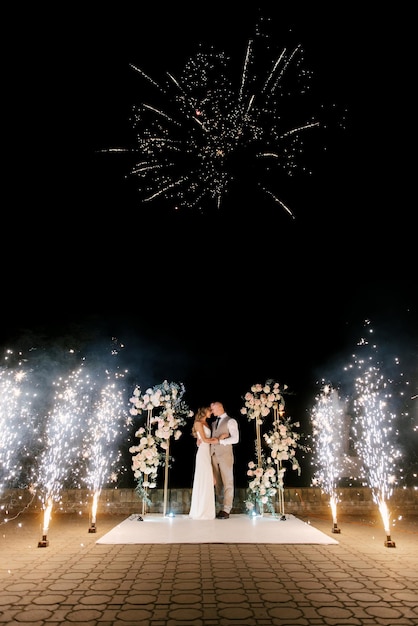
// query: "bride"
[[202, 504]]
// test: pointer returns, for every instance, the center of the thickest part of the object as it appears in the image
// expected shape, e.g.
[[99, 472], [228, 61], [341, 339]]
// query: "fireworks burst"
[[213, 131]]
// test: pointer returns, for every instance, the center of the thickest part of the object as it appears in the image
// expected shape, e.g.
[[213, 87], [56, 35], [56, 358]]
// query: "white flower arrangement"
[[282, 441], [171, 414], [262, 487], [146, 460], [261, 399], [147, 402]]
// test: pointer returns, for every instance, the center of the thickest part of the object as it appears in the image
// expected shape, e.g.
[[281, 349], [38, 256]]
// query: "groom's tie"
[[217, 422]]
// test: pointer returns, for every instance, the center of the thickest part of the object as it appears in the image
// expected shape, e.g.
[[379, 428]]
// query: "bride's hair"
[[200, 414]]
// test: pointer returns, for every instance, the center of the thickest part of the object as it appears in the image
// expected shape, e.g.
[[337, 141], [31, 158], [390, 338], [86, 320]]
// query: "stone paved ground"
[[72, 580]]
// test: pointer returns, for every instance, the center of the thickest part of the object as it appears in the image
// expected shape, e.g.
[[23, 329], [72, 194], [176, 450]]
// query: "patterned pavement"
[[65, 577]]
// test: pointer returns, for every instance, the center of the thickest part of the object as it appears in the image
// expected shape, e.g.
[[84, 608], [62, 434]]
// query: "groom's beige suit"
[[222, 455]]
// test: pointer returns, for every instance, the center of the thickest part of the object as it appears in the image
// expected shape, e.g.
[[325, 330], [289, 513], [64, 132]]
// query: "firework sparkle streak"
[[212, 132]]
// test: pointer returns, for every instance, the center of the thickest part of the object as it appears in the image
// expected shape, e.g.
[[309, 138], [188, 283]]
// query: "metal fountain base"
[[44, 543]]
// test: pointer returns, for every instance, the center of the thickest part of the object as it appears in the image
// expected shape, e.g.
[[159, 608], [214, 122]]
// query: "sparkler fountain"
[[104, 430], [375, 428], [82, 433], [69, 433], [17, 421], [328, 428], [63, 436]]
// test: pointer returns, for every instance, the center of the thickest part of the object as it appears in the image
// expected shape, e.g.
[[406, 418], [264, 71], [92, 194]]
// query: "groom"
[[224, 428]]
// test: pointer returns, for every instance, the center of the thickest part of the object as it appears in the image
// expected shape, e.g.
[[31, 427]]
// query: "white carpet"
[[237, 529]]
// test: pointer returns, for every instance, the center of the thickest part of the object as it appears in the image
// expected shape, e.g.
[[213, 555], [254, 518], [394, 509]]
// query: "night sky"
[[231, 296]]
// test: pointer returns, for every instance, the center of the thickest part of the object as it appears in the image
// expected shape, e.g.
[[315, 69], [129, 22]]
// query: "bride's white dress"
[[202, 504]]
